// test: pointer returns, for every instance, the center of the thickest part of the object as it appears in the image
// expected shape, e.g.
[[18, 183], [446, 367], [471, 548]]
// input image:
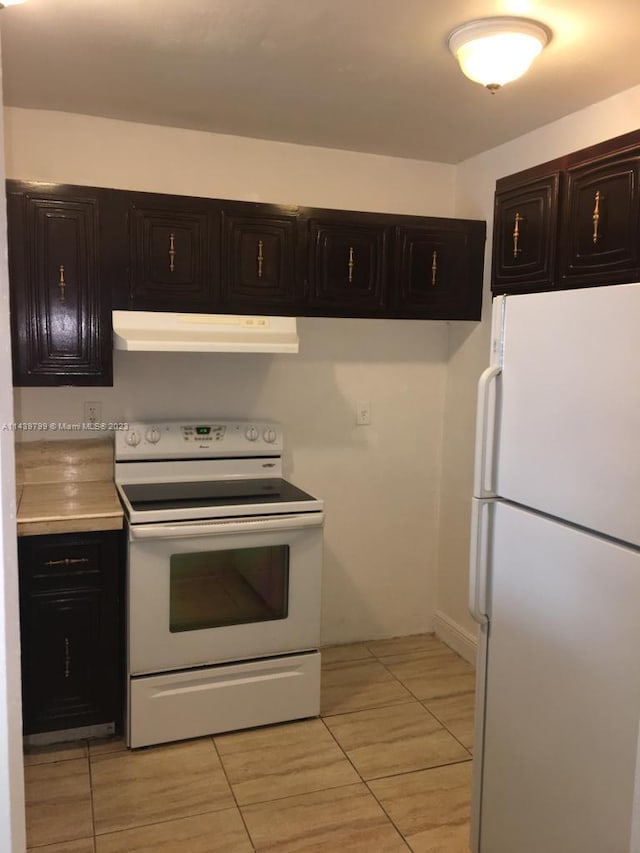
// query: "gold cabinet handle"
[[351, 264], [260, 257], [67, 561], [517, 219], [434, 269], [67, 658], [172, 252], [61, 282], [596, 217]]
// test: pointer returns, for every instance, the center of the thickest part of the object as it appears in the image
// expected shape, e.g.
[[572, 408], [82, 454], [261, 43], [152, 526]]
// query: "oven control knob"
[[251, 433], [132, 438], [269, 435], [152, 435]]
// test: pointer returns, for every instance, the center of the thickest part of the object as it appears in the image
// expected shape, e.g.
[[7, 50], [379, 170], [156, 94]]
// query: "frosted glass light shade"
[[495, 51], [4, 3]]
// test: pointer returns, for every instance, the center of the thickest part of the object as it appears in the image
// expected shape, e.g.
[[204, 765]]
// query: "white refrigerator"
[[555, 576]]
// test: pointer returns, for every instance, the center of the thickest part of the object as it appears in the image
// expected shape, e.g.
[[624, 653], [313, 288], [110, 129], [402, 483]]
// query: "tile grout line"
[[444, 725], [364, 782], [158, 822], [428, 710], [233, 793], [408, 701]]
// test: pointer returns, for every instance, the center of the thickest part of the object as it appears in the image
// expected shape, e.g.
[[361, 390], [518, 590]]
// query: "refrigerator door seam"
[[479, 559]]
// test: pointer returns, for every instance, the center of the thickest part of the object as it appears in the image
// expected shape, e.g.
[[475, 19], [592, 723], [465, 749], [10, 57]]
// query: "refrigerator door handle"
[[479, 559], [485, 425]]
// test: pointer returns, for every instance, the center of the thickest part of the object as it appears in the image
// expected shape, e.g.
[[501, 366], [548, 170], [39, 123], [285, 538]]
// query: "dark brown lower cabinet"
[[71, 630]]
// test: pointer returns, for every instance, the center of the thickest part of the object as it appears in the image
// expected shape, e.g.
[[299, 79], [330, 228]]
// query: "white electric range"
[[224, 563]]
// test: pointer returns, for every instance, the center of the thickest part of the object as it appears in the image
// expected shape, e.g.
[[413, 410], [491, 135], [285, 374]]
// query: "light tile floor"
[[387, 767]]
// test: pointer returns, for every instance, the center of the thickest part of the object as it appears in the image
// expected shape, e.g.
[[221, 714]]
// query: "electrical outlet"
[[363, 413], [92, 412]]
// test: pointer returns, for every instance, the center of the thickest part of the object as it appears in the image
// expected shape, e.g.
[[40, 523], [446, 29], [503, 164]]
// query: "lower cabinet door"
[[67, 682], [70, 626]]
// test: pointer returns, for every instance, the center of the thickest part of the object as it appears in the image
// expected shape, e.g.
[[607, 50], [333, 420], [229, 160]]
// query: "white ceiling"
[[362, 75]]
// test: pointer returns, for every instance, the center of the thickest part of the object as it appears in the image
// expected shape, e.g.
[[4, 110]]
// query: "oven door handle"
[[215, 528]]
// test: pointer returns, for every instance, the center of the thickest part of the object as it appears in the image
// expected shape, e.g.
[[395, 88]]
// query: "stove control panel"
[[186, 439]]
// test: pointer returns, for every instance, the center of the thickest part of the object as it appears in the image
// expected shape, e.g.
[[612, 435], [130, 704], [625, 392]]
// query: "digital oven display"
[[203, 433]]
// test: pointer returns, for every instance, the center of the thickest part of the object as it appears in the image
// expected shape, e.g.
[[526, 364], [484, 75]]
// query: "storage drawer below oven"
[[210, 700]]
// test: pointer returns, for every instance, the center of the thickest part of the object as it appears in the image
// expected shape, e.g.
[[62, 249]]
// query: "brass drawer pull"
[[596, 217], [351, 264], [67, 561], [260, 257], [62, 283], [172, 252], [517, 219], [434, 269]]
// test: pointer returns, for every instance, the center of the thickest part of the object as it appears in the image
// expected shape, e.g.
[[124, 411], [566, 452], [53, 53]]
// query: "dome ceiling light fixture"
[[10, 3], [495, 51]]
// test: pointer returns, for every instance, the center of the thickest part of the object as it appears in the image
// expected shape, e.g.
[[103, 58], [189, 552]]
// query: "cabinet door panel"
[[525, 228], [439, 271], [171, 254], [64, 683], [71, 624], [58, 328], [348, 267], [601, 222], [259, 262]]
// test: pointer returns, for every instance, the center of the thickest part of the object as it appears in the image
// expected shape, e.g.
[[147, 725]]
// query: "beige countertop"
[[66, 487]]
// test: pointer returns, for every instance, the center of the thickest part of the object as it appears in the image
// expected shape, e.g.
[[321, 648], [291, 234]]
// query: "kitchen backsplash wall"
[[381, 482]]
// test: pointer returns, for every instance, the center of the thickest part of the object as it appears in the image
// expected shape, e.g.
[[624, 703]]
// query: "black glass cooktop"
[[151, 496]]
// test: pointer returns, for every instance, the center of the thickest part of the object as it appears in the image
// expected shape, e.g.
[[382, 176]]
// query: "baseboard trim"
[[455, 636]]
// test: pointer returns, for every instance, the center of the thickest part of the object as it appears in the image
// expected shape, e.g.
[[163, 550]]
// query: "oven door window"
[[214, 589]]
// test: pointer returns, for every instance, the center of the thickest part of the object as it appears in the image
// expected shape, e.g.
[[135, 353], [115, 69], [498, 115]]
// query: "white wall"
[[468, 352], [380, 483], [12, 827], [50, 146]]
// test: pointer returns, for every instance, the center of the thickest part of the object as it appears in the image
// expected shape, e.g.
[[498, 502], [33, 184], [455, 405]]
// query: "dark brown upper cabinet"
[[525, 235], [439, 270], [259, 258], [601, 221], [573, 222], [348, 265], [174, 253], [76, 253], [61, 327]]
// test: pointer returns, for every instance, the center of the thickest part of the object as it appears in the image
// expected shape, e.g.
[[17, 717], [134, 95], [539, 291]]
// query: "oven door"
[[208, 592]]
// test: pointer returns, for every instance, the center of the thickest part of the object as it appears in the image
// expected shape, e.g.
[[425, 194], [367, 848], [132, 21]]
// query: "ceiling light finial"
[[495, 51]]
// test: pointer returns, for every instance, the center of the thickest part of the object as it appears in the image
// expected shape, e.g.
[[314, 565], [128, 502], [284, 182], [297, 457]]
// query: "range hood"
[[159, 331]]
